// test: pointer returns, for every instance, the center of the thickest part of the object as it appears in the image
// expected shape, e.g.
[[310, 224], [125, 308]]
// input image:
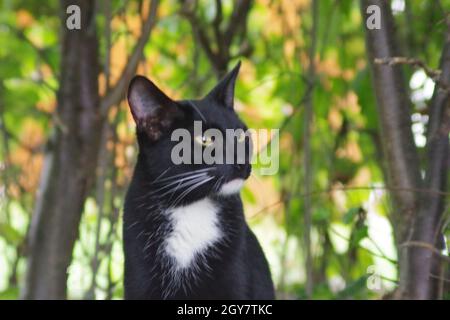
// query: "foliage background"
[[352, 248]]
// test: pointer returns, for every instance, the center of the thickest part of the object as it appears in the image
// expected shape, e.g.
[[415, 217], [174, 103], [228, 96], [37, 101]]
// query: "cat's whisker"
[[162, 174], [194, 176], [161, 179], [174, 192], [222, 179], [158, 177], [186, 174], [186, 192], [187, 184], [181, 184], [151, 192], [132, 225], [217, 184]]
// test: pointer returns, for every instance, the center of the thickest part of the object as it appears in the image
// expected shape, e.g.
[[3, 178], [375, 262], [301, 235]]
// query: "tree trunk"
[[70, 160], [71, 157], [402, 161], [416, 215], [425, 266]]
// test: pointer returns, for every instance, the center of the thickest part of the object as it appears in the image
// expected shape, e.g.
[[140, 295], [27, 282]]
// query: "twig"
[[218, 48], [425, 245], [102, 166], [237, 21], [216, 24], [5, 157], [324, 191], [116, 93], [307, 154], [433, 74], [108, 17], [188, 11], [379, 255], [40, 52], [114, 216], [439, 278]]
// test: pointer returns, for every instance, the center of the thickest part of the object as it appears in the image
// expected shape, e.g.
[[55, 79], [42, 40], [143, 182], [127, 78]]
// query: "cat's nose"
[[243, 170]]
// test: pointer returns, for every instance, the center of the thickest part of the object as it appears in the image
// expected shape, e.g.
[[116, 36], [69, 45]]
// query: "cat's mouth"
[[235, 183], [231, 187]]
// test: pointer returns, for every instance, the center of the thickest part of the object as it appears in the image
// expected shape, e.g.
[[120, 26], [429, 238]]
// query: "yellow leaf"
[[24, 18]]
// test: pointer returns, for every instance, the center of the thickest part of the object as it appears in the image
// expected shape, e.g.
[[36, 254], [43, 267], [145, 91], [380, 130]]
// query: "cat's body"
[[185, 235], [224, 261]]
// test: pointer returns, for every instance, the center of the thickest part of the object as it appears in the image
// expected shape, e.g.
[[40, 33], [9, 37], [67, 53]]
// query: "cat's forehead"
[[217, 115]]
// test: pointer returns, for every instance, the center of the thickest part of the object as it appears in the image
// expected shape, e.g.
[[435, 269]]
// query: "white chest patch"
[[194, 229], [231, 187]]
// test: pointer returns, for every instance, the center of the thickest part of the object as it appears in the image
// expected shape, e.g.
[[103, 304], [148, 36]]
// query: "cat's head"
[[157, 117]]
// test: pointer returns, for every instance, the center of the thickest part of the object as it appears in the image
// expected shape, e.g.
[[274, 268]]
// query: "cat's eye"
[[241, 137], [204, 140]]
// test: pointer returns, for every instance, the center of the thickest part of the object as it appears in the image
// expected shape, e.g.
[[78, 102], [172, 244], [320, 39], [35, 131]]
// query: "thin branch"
[[427, 246], [307, 154], [188, 11], [325, 191], [380, 251], [5, 157], [379, 255], [108, 16], [222, 39], [9, 136], [237, 21], [103, 164], [216, 25], [20, 34], [439, 278], [116, 93], [204, 41], [114, 216], [433, 74]]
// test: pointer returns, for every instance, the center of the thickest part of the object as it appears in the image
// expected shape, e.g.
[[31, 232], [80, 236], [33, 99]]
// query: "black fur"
[[234, 268]]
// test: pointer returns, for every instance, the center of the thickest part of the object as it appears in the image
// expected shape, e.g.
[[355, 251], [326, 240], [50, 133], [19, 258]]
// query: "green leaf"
[[11, 235], [10, 294], [350, 215], [354, 288], [248, 196], [358, 235], [321, 214]]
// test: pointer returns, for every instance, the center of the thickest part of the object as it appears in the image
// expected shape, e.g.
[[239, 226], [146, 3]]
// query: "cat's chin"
[[231, 187]]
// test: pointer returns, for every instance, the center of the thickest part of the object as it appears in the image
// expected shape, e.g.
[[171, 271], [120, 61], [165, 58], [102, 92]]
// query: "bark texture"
[[70, 160], [71, 157], [418, 203]]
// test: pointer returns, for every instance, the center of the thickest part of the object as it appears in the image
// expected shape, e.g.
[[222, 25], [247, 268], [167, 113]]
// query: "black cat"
[[185, 236]]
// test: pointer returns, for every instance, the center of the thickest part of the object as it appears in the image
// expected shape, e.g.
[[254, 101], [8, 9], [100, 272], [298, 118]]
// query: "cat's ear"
[[223, 92], [152, 110]]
